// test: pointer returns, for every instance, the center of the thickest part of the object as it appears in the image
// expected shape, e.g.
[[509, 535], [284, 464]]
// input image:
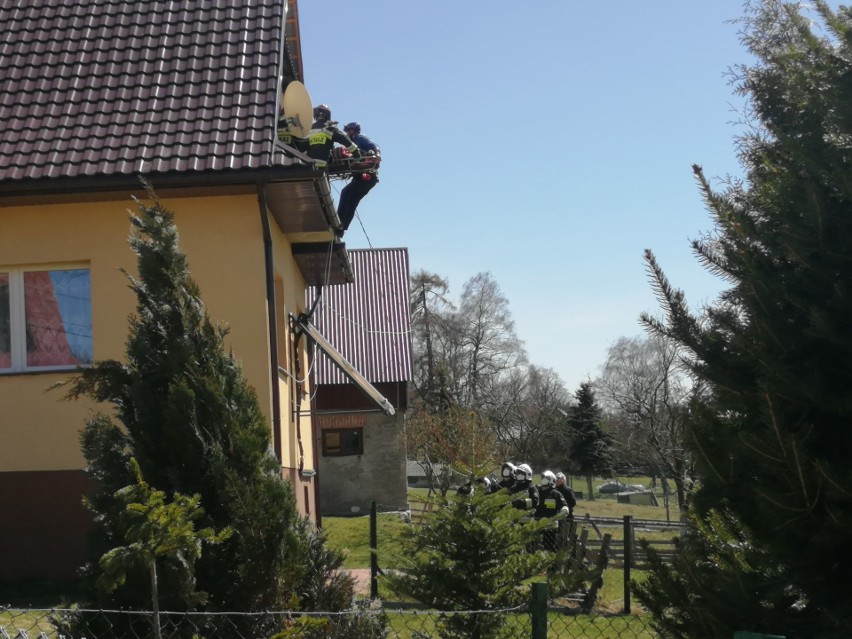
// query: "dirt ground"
[[362, 580]]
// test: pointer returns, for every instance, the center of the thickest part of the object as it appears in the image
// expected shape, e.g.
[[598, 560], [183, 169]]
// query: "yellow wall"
[[290, 299], [222, 237]]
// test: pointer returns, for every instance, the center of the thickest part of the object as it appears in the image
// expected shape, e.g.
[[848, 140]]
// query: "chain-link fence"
[[527, 622]]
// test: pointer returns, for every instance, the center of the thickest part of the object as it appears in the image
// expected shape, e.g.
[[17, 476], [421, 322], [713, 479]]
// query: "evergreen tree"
[[773, 444], [156, 532], [591, 446], [194, 424], [470, 554]]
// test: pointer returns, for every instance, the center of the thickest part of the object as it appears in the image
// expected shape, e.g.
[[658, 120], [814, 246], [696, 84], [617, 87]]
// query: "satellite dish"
[[298, 109]]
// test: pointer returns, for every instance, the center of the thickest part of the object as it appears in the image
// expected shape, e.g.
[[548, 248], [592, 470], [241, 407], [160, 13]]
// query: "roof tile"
[[368, 322], [110, 87]]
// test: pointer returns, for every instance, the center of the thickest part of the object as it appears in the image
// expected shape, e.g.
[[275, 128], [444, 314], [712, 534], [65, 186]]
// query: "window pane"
[[345, 441], [5, 326], [352, 442], [332, 440], [58, 312]]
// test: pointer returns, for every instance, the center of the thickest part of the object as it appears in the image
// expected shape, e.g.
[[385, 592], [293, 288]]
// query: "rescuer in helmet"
[[567, 493], [507, 477], [525, 491], [551, 503], [360, 182], [324, 135]]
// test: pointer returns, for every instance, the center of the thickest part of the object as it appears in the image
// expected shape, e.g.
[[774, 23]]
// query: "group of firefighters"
[[319, 145], [552, 497]]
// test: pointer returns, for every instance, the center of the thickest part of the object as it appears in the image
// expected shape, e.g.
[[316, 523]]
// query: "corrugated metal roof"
[[118, 87], [368, 321]]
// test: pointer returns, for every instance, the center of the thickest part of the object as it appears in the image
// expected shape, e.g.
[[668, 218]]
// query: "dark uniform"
[[506, 482], [551, 503], [464, 490], [285, 136], [322, 138], [360, 184], [524, 502], [568, 496]]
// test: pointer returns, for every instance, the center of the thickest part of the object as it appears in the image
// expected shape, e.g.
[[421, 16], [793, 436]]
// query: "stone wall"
[[348, 483]]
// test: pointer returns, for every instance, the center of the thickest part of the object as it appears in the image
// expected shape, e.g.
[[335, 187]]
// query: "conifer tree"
[[471, 553], [773, 444], [591, 446], [194, 425]]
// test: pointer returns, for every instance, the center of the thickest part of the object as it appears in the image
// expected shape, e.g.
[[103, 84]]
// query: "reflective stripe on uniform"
[[319, 138]]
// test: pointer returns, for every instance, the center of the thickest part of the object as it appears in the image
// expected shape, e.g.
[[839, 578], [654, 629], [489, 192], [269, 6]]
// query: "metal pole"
[[374, 558], [538, 610], [628, 560]]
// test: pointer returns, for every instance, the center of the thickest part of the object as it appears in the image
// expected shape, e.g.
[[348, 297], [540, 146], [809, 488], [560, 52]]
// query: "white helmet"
[[523, 472], [508, 470], [548, 478], [486, 483]]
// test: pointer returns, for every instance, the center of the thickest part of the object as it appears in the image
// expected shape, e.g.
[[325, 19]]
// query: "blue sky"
[[548, 143]]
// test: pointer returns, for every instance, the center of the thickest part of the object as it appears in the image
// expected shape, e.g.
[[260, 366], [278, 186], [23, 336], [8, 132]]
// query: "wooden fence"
[[631, 530]]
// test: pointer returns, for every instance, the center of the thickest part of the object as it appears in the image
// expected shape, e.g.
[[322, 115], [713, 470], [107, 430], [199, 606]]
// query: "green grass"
[[351, 536], [32, 621], [611, 508], [407, 625]]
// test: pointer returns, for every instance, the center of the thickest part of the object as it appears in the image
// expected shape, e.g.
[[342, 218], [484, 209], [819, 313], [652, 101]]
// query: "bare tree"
[[649, 395], [490, 346], [469, 358], [431, 310], [451, 443], [528, 414]]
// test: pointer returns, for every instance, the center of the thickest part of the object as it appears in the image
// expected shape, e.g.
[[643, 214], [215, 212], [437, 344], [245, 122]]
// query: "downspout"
[[272, 320], [297, 367]]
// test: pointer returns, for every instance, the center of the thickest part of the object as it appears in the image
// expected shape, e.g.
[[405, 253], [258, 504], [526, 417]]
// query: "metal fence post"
[[374, 558], [538, 610], [628, 560]]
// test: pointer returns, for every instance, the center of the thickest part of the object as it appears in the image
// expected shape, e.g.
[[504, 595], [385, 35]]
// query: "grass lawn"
[[408, 625], [31, 621], [351, 536]]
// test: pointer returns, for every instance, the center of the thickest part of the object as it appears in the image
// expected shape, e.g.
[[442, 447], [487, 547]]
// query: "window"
[[344, 441], [45, 319]]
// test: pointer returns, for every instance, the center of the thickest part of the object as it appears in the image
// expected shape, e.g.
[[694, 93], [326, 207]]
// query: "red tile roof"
[[116, 87], [368, 321]]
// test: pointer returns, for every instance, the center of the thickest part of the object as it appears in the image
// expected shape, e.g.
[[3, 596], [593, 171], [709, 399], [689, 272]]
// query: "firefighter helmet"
[[523, 472], [508, 470], [354, 126], [548, 478], [322, 112]]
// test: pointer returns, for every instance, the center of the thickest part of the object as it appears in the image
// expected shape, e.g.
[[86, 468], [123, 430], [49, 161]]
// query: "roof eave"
[[98, 184]]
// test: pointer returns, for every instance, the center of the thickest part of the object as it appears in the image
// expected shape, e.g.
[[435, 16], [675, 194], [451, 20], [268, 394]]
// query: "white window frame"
[[18, 320]]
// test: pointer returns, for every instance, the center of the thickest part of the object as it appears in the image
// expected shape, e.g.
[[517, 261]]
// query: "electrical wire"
[[363, 328]]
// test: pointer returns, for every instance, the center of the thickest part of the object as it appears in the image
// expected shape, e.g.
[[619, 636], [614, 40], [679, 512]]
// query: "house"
[[418, 478], [94, 94], [360, 446]]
